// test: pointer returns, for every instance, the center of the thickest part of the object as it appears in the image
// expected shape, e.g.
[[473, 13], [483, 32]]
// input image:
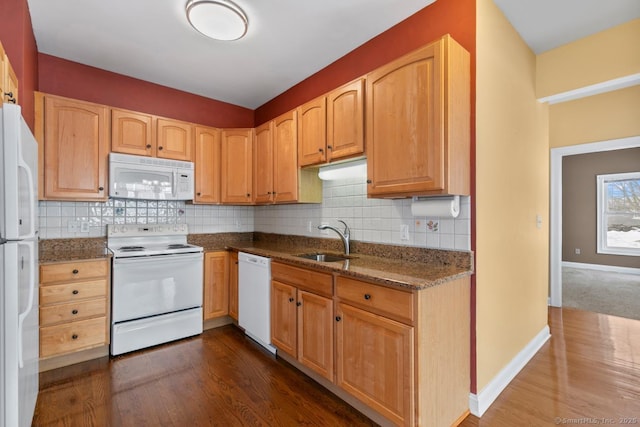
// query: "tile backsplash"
[[370, 220]]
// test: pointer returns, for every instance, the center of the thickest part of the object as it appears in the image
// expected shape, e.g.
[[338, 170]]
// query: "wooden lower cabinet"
[[233, 285], [375, 362], [302, 321], [74, 310], [216, 285]]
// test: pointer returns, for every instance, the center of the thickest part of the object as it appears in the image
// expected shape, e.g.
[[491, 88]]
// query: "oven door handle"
[[159, 258]]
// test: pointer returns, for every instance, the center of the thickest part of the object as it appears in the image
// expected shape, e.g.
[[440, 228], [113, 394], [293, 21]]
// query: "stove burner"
[[131, 248], [178, 246]]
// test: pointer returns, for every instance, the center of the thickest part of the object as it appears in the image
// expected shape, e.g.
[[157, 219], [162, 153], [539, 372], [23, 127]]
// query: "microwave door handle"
[[174, 189]]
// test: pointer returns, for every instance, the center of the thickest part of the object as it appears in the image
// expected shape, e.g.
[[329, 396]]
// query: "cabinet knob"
[[268, 192], [9, 94], [291, 299], [75, 271], [12, 100], [338, 318], [100, 188], [367, 296], [74, 311], [160, 148], [149, 146], [298, 303], [199, 194], [248, 194], [75, 292], [320, 150], [236, 263], [74, 336], [329, 147], [368, 181]]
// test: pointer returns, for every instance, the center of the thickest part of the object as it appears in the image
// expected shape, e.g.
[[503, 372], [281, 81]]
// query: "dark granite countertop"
[[63, 250], [398, 266]]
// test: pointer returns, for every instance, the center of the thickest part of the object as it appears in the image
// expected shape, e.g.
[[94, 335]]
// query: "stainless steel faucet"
[[344, 235]]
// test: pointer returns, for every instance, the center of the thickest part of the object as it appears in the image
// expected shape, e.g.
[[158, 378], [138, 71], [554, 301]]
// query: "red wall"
[[19, 43], [71, 79], [456, 17]]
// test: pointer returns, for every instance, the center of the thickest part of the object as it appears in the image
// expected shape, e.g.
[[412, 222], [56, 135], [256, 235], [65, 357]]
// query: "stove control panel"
[[138, 230]]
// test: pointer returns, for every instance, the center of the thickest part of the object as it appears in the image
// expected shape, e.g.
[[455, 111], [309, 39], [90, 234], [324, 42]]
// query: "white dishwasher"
[[254, 298]]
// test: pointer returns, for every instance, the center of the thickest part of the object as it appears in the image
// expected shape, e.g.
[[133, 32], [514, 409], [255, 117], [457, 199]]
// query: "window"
[[619, 214]]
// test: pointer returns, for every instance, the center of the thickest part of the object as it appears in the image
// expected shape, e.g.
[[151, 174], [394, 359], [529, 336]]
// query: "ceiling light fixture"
[[217, 19]]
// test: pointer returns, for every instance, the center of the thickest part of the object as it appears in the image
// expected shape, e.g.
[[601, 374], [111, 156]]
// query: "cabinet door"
[[285, 158], [237, 166], [233, 285], [175, 140], [315, 333], [375, 362], [207, 165], [312, 132], [216, 285], [263, 164], [345, 121], [283, 317], [131, 133], [404, 130], [75, 149], [8, 79]]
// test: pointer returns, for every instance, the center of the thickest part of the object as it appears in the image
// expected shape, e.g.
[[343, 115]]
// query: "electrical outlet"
[[310, 226], [404, 232], [73, 226], [84, 227], [538, 221], [238, 224], [577, 251]]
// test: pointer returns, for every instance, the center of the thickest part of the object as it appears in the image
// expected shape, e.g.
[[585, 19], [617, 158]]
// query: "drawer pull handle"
[[75, 271], [74, 337], [291, 299], [338, 318], [367, 296], [75, 292], [74, 311]]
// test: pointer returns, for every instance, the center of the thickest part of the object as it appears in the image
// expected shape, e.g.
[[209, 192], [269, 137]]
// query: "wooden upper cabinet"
[[312, 132], [285, 155], [73, 137], [174, 139], [263, 164], [237, 166], [8, 79], [418, 121], [132, 133], [345, 121], [207, 165]]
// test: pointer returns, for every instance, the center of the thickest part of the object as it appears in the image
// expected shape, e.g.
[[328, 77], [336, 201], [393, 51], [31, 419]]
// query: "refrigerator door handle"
[[32, 199], [29, 307]]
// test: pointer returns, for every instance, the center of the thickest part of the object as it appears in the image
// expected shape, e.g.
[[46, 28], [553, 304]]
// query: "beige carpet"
[[617, 294]]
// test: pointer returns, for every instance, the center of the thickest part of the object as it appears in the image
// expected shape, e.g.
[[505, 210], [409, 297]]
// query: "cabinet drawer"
[[392, 303], [68, 292], [72, 336], [52, 273], [314, 281], [79, 310]]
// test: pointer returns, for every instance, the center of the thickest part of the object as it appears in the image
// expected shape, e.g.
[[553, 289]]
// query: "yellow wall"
[[596, 118], [607, 55], [512, 186]]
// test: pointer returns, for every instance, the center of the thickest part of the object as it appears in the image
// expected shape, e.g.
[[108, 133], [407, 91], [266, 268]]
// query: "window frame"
[[602, 215]]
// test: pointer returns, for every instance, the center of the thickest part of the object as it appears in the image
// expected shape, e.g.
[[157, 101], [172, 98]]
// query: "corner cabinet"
[[237, 166], [207, 165], [418, 123], [74, 147]]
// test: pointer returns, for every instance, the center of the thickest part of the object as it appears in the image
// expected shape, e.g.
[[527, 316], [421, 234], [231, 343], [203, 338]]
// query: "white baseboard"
[[479, 403], [600, 267]]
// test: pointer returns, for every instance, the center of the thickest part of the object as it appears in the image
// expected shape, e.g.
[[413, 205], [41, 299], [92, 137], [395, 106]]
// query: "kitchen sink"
[[320, 257]]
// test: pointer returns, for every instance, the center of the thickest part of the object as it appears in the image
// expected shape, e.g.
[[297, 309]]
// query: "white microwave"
[[149, 178]]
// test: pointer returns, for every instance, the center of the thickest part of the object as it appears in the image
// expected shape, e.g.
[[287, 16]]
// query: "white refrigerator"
[[18, 269]]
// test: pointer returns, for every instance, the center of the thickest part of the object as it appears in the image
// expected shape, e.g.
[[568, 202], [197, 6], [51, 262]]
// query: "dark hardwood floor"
[[588, 373]]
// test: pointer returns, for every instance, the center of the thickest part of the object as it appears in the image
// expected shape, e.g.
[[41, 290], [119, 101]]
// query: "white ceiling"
[[287, 41]]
